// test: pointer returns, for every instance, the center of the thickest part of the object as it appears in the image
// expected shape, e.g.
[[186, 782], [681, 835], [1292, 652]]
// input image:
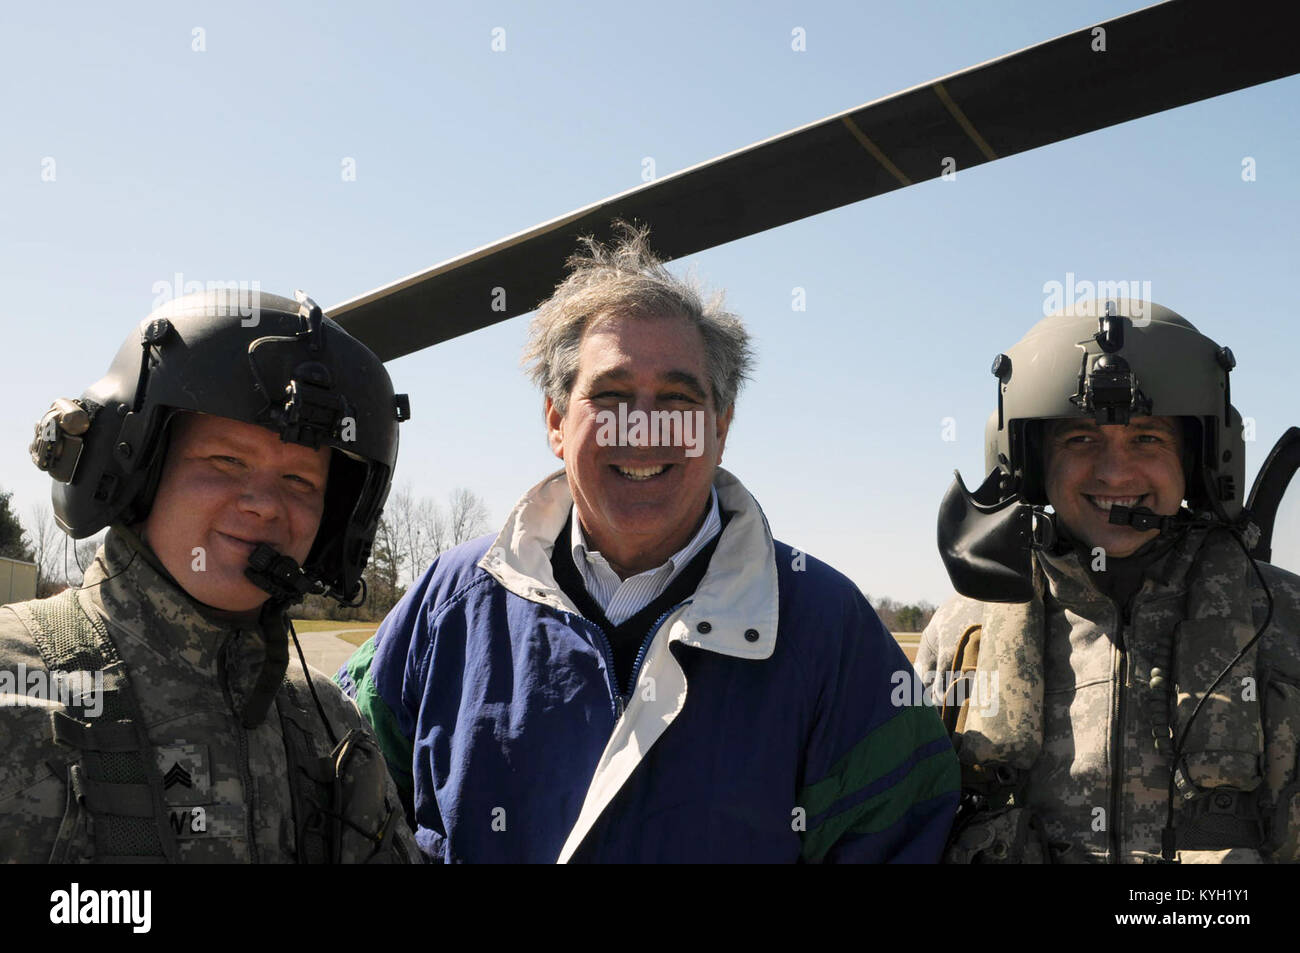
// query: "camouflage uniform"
[[1098, 781], [191, 674]]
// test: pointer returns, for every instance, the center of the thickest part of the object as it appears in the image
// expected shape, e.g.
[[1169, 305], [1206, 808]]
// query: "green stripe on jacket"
[[396, 747], [882, 751]]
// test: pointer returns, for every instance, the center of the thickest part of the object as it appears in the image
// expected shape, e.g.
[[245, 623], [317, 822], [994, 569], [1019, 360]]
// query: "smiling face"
[[227, 485], [639, 504], [1089, 468]]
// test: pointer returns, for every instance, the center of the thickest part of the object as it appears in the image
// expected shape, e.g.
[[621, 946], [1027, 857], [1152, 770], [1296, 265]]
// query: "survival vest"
[[116, 811], [1218, 774]]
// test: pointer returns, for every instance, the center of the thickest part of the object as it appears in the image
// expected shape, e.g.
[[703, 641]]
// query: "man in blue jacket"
[[634, 669]]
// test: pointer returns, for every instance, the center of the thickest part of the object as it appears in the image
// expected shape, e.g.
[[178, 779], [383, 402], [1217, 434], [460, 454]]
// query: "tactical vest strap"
[[116, 780], [962, 671], [105, 798], [1218, 774], [96, 736], [64, 633]]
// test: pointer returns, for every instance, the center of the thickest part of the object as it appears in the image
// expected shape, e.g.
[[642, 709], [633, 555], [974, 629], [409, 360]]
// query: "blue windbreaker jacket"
[[760, 725]]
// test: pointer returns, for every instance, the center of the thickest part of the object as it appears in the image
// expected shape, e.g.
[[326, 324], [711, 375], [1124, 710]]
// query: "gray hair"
[[627, 278]]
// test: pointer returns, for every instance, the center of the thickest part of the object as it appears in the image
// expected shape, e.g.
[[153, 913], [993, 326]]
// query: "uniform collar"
[[1067, 579], [738, 594], [142, 599], [1165, 569]]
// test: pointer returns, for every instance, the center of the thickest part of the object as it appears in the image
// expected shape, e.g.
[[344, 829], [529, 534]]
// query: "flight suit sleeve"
[[927, 652], [939, 640]]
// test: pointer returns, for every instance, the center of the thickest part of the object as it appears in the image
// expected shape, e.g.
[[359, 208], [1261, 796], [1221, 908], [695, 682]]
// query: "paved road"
[[324, 650]]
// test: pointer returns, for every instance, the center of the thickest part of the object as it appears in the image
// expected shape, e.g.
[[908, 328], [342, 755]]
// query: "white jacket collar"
[[738, 594]]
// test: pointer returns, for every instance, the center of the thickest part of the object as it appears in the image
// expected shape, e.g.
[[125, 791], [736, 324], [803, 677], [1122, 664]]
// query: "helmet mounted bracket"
[[309, 411]]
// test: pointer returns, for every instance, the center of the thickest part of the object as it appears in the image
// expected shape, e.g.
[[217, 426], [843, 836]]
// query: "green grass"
[[322, 625], [357, 636]]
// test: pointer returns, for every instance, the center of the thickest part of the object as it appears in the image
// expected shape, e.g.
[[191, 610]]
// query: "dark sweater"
[[626, 639]]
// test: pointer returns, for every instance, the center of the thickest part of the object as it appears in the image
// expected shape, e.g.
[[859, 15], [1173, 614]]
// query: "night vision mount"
[[1109, 391], [309, 411]]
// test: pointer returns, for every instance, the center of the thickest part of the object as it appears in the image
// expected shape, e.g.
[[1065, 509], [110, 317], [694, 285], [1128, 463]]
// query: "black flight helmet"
[[258, 358]]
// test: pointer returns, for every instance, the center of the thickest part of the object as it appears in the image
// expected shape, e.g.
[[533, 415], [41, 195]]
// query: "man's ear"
[[554, 427]]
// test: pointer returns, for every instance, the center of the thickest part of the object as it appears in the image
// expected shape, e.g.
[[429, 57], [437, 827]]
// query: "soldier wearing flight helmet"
[[1120, 676], [240, 458]]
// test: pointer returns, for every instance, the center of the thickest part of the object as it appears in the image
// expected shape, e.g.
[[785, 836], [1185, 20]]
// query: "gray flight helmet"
[[261, 359], [1108, 361], [1154, 362]]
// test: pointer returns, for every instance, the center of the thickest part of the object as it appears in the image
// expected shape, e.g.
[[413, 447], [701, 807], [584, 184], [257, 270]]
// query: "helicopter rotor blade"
[[1154, 59]]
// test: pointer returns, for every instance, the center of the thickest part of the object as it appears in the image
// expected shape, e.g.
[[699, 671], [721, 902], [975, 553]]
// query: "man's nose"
[[261, 496], [1113, 463]]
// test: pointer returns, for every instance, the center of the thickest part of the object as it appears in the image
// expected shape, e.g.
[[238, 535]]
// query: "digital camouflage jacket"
[[1116, 685], [224, 788]]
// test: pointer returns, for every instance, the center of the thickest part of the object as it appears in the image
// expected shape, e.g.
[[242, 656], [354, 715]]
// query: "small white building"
[[17, 580]]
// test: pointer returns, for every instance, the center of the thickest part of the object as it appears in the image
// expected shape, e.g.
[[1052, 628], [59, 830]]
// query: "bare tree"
[[417, 530], [434, 532], [76, 556], [900, 617], [467, 516], [47, 548], [384, 573], [399, 520], [60, 560], [411, 533]]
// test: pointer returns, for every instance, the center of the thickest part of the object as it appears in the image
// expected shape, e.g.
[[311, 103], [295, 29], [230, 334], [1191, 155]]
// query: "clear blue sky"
[[225, 165]]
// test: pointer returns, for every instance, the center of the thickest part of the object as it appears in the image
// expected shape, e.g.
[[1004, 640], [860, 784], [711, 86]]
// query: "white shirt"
[[620, 599]]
